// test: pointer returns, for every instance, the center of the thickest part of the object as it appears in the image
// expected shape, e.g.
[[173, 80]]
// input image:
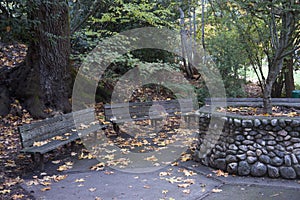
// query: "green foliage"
[[14, 24], [228, 50], [117, 16]]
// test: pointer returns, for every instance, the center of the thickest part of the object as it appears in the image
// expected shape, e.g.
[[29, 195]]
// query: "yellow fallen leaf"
[[5, 191], [59, 178], [165, 173], [98, 167], [69, 163], [184, 185], [151, 158], [220, 173], [62, 168], [17, 196], [45, 183], [186, 157], [40, 143], [189, 181], [45, 189], [188, 173]]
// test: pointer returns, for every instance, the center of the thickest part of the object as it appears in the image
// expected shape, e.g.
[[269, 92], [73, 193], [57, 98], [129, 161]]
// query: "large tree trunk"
[[47, 84]]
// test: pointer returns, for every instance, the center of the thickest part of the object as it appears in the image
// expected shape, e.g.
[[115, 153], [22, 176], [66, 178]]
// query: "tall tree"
[[45, 81], [273, 27]]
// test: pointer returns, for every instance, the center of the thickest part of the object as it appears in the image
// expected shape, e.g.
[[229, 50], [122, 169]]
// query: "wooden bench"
[[254, 101], [151, 110], [44, 136]]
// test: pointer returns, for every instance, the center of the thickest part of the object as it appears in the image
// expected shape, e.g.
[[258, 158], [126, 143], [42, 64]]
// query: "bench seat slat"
[[53, 144], [50, 145], [52, 127]]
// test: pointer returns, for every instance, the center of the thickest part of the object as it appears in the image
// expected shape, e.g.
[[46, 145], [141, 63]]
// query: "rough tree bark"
[[185, 48], [289, 77], [46, 77]]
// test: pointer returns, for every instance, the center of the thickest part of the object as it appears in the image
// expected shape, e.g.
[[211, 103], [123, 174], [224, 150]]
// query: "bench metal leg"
[[116, 128], [38, 162], [154, 123], [33, 157], [41, 161]]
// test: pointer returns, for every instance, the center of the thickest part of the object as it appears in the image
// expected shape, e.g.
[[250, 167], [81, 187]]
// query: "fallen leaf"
[[92, 189], [189, 181], [187, 172], [216, 190], [59, 178], [17, 196], [186, 157], [5, 191], [108, 172], [79, 180], [69, 163], [220, 173], [186, 191], [274, 195], [45, 189], [45, 183], [62, 168], [73, 153], [165, 173], [98, 167], [151, 158], [184, 185], [56, 162], [174, 179], [147, 186], [164, 191]]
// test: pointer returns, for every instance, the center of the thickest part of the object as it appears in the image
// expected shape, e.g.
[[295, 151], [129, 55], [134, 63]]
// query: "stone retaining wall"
[[260, 146]]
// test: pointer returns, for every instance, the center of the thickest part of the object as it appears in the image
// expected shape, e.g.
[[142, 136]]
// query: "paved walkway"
[[188, 180]]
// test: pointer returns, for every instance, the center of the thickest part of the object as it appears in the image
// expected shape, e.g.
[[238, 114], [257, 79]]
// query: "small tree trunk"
[[289, 77], [276, 66], [184, 48], [278, 86], [267, 99]]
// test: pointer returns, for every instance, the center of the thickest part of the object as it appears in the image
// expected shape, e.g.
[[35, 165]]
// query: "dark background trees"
[[239, 35]]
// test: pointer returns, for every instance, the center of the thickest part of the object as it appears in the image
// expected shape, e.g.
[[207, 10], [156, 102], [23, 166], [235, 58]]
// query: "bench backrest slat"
[[142, 109], [258, 100]]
